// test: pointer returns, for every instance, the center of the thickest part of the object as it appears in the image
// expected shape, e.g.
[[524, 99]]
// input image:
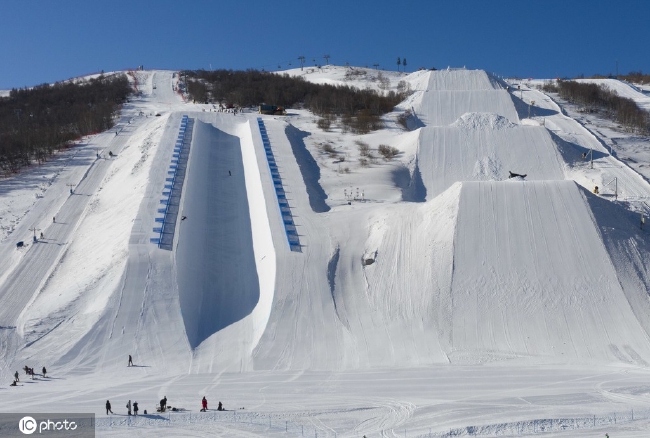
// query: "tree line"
[[635, 77], [36, 122], [359, 109], [594, 97]]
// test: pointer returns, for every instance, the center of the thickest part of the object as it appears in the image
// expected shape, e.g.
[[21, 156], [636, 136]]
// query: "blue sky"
[[45, 41]]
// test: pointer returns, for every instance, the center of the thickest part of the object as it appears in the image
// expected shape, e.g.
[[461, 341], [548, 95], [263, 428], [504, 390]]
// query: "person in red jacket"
[[204, 403]]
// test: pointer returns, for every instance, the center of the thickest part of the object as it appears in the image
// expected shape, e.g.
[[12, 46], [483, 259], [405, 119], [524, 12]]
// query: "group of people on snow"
[[162, 408], [29, 371]]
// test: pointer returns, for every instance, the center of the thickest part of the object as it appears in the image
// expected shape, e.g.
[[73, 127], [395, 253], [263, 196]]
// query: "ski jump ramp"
[[485, 147], [450, 94]]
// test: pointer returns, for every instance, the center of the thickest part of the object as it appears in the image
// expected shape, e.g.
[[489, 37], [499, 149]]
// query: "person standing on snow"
[[204, 403], [163, 404], [44, 371], [128, 407], [130, 361], [135, 408], [108, 407], [16, 375]]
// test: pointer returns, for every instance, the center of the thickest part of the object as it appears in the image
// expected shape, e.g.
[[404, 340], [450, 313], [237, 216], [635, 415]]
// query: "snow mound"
[[483, 121]]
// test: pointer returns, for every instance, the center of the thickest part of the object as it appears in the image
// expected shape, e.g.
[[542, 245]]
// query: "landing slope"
[[532, 277]]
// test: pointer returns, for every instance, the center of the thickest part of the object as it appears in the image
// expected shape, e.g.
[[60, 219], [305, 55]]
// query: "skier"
[[16, 376], [14, 383], [44, 371], [204, 403], [135, 408], [128, 407], [130, 361], [108, 407]]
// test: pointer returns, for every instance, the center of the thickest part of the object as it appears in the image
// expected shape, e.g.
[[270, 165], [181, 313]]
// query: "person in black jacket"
[[135, 408], [108, 407]]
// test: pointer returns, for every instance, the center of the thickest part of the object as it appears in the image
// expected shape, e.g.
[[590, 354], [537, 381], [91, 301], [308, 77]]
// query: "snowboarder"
[[204, 404], [16, 376], [108, 407], [513, 175], [135, 408], [220, 407], [14, 383], [44, 371], [128, 407], [130, 361]]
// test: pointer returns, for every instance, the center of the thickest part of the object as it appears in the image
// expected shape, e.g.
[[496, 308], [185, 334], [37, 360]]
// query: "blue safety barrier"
[[173, 186], [283, 205]]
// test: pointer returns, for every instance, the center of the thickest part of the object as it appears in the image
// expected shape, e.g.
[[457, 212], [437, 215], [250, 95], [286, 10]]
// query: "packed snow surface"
[[436, 292]]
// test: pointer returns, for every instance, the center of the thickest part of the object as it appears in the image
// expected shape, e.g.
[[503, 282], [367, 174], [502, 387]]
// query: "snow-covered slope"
[[434, 259], [623, 89]]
